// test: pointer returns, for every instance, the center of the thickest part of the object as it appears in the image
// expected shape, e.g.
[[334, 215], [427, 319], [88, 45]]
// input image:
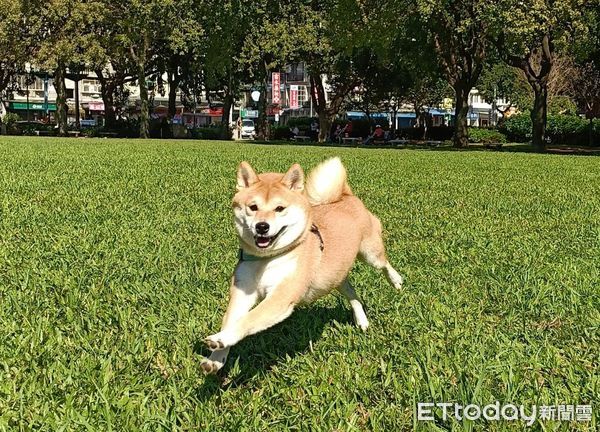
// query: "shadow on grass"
[[257, 354]]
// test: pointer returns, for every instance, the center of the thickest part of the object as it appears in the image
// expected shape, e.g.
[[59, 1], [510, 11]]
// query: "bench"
[[398, 142], [43, 133], [302, 138], [494, 146], [74, 133], [351, 140], [108, 134], [433, 143]]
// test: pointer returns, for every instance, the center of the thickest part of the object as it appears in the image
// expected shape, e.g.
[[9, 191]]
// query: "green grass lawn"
[[115, 257]]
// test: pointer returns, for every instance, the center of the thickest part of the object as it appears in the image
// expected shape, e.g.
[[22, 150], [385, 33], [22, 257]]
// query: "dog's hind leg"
[[372, 251], [357, 308]]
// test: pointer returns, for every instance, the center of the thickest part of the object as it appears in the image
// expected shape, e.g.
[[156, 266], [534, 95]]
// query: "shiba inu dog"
[[297, 243]]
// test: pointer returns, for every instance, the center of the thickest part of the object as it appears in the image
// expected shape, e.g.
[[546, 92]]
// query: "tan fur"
[[293, 270]]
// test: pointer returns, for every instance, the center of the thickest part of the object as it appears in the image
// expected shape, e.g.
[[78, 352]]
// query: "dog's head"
[[270, 210]]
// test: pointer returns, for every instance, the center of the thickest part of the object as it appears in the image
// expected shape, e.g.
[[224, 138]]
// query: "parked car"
[[248, 130]]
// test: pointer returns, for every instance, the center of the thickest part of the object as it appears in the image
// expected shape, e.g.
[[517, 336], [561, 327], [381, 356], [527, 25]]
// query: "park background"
[[115, 254], [424, 70]]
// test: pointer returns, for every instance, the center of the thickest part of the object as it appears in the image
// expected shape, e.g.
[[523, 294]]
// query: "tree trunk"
[[144, 110], [110, 117], [107, 93], [591, 132], [227, 105], [427, 123], [61, 99], [173, 80], [461, 134], [317, 93], [327, 113], [417, 109], [325, 122], [538, 80], [262, 132], [539, 116]]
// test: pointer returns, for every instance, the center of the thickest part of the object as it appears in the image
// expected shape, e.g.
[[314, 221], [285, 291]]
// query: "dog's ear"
[[294, 178], [246, 176]]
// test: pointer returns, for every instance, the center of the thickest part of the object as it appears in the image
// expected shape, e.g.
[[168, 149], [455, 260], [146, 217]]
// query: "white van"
[[247, 129]]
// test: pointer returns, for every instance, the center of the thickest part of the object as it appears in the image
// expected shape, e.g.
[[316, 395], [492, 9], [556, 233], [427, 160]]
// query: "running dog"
[[297, 243]]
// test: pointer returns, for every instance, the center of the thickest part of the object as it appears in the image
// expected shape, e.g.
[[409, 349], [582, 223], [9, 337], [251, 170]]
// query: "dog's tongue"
[[263, 241]]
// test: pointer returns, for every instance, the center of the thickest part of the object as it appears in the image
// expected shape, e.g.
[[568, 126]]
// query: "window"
[[295, 72], [302, 95], [90, 86], [35, 83]]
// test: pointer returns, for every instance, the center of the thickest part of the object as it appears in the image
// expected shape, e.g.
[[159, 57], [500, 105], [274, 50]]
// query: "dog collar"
[[243, 256]]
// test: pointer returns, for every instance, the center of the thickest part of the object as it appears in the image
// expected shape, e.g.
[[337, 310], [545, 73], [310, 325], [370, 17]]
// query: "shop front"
[[34, 111]]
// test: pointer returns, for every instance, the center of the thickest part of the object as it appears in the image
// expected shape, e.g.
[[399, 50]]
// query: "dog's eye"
[[279, 209], [254, 207]]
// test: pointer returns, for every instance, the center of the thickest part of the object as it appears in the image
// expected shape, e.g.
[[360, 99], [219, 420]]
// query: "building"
[[483, 113], [36, 101]]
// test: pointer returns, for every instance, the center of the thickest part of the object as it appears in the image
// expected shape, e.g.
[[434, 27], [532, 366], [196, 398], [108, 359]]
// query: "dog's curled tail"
[[327, 182]]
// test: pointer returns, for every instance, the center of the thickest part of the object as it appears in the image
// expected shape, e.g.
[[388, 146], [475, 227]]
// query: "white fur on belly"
[[267, 274]]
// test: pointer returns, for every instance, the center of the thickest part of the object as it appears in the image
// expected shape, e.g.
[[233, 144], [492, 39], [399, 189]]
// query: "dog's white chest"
[[269, 273]]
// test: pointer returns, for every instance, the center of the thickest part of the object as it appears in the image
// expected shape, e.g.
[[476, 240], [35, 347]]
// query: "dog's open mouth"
[[266, 241]]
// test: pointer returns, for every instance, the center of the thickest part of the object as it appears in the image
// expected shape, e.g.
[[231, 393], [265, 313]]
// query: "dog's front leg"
[[241, 299], [272, 310]]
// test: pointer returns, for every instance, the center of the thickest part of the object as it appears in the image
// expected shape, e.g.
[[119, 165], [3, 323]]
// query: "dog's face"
[[270, 210]]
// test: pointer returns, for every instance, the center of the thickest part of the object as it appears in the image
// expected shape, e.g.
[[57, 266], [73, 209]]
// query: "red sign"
[[275, 88], [96, 106], [294, 97], [272, 110], [213, 112]]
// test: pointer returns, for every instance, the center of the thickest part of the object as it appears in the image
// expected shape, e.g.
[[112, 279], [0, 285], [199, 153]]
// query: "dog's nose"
[[262, 228]]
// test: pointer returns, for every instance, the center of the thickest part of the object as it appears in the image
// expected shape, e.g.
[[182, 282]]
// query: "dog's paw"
[[220, 341], [363, 324], [398, 282], [213, 343], [210, 367]]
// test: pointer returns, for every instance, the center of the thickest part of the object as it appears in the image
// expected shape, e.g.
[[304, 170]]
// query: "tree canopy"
[[367, 54]]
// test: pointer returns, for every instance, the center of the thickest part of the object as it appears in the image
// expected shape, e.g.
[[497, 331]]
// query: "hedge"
[[561, 129], [486, 136]]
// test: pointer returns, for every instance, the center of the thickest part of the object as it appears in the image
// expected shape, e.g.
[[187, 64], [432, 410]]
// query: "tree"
[[324, 42], [499, 80], [54, 48], [13, 43], [270, 43], [183, 46], [141, 41], [60, 39], [425, 90], [528, 36], [457, 31], [373, 75], [223, 71], [587, 93]]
